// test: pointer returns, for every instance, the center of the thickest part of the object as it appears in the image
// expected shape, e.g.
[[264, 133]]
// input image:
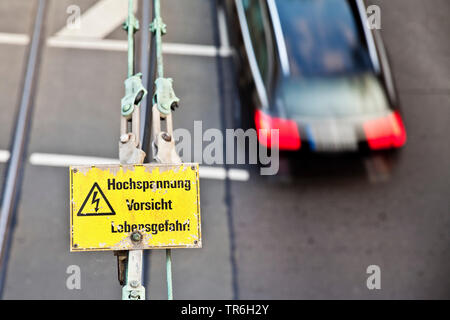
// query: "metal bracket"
[[158, 23], [129, 153], [131, 21], [163, 141], [133, 289], [134, 92], [165, 149], [164, 96]]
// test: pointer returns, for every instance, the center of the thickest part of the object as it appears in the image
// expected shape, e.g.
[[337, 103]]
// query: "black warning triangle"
[[96, 204]]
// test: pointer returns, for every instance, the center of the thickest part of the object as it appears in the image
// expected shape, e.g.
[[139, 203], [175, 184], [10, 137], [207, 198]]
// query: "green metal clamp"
[[131, 21], [164, 96], [134, 92], [158, 23]]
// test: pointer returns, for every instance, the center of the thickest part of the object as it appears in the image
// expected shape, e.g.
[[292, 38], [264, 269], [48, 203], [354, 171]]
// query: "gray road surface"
[[310, 236]]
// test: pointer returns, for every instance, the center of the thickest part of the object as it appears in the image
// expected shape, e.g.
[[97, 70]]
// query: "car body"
[[315, 71]]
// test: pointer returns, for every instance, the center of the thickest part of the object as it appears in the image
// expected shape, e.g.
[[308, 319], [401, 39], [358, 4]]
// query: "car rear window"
[[323, 38]]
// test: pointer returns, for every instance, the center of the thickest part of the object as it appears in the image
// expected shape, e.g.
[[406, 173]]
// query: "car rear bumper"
[[380, 132]]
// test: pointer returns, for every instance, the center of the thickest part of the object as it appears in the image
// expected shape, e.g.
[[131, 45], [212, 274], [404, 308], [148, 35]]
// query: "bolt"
[[124, 138], [166, 137], [134, 295], [126, 108], [136, 236], [134, 283]]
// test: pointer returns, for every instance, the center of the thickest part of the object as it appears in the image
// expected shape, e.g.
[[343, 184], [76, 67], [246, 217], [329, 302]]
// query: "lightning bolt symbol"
[[96, 201]]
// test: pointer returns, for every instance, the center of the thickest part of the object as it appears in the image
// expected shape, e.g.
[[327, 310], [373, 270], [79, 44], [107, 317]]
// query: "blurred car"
[[317, 72]]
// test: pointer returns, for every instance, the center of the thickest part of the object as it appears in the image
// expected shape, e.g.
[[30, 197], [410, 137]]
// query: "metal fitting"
[[134, 295], [124, 138], [158, 23], [136, 236], [134, 23], [164, 96], [166, 137], [134, 92]]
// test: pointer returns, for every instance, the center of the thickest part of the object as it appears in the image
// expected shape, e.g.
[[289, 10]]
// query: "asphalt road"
[[308, 235]]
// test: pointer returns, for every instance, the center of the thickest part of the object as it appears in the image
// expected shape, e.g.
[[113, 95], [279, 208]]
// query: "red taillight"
[[289, 137], [386, 132]]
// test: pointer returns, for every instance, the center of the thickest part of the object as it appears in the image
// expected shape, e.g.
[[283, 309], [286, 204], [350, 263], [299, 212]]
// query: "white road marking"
[[14, 38], [238, 174], [195, 50], [223, 32], [122, 45], [102, 18], [65, 160], [92, 44], [99, 20], [105, 16], [219, 173], [96, 23], [4, 155]]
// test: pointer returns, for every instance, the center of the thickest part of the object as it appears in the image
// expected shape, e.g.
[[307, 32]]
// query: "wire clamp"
[[164, 96], [134, 92], [131, 21], [158, 24]]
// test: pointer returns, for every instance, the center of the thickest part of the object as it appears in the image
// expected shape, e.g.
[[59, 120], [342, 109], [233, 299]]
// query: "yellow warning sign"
[[124, 207]]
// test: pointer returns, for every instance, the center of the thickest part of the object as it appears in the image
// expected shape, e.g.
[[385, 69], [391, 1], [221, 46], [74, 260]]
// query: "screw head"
[[134, 295], [134, 283], [166, 137], [124, 138], [136, 236], [126, 108]]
